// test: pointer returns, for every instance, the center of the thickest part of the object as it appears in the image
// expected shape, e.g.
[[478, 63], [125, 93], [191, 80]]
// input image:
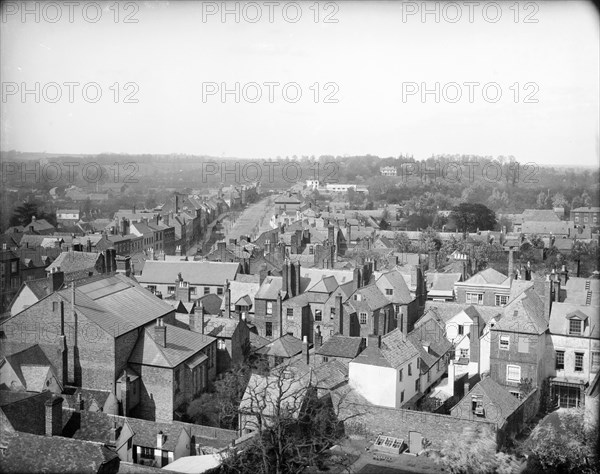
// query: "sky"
[[527, 74]]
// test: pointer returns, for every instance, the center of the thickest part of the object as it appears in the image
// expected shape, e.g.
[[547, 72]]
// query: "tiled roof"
[[447, 310], [401, 292], [256, 341], [53, 454], [182, 344], [71, 262], [326, 285], [239, 290], [196, 273], [285, 346], [503, 401], [269, 288], [14, 404], [371, 299], [437, 347], [525, 314], [341, 346]]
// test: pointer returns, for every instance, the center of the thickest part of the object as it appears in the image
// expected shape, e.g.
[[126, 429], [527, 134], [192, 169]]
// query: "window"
[[578, 361], [363, 318], [560, 360], [220, 290], [311, 250], [400, 375], [55, 306], [575, 327], [318, 315], [152, 288], [418, 385], [513, 373], [206, 290], [332, 313], [477, 405], [146, 453], [290, 313], [325, 359], [418, 363], [192, 290], [13, 267], [461, 329], [504, 343], [501, 300], [402, 396], [475, 298], [523, 344], [389, 291], [464, 353], [429, 376], [221, 344], [409, 369], [177, 380], [269, 307], [269, 329], [595, 360], [585, 219]]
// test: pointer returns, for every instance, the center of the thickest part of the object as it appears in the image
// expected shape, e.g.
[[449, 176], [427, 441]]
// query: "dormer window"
[[575, 327]]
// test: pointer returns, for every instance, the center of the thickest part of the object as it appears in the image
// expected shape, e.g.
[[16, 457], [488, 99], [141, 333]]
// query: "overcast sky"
[[373, 53]]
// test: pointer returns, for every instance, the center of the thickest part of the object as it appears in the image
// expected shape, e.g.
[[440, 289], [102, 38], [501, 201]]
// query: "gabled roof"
[[371, 299], [182, 345], [489, 276], [445, 311], [525, 314], [341, 346], [286, 346], [270, 288], [504, 402], [220, 326], [326, 285], [539, 215], [442, 283], [396, 349], [401, 293]]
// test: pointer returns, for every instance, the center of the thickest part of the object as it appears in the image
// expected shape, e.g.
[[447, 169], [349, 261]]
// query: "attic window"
[[575, 327]]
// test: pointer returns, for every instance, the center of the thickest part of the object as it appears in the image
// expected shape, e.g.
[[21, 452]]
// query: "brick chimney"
[[318, 337], [297, 278], [474, 352], [160, 333], [393, 260], [262, 273], [53, 408], [279, 313], [564, 275], [125, 393], [113, 434], [557, 284], [63, 349], [348, 233], [227, 299], [374, 340], [305, 352], [285, 274], [197, 319], [56, 278], [528, 271], [356, 278], [511, 264], [548, 296], [182, 291]]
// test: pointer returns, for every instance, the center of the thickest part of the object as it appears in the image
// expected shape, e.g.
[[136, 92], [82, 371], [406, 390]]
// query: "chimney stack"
[[374, 340], [467, 387], [56, 278], [280, 313], [160, 333], [511, 264], [53, 408], [356, 278], [297, 279], [125, 393], [339, 308], [227, 299], [474, 352], [548, 296], [305, 353]]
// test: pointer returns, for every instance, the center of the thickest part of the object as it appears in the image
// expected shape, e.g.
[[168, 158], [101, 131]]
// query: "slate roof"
[[341, 346], [182, 345], [558, 228], [14, 404], [559, 322], [31, 366], [586, 209], [442, 283], [285, 346], [576, 293], [220, 326], [212, 303], [437, 348], [539, 215], [256, 341], [240, 290], [196, 273], [396, 349], [489, 276], [326, 285], [53, 454]]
